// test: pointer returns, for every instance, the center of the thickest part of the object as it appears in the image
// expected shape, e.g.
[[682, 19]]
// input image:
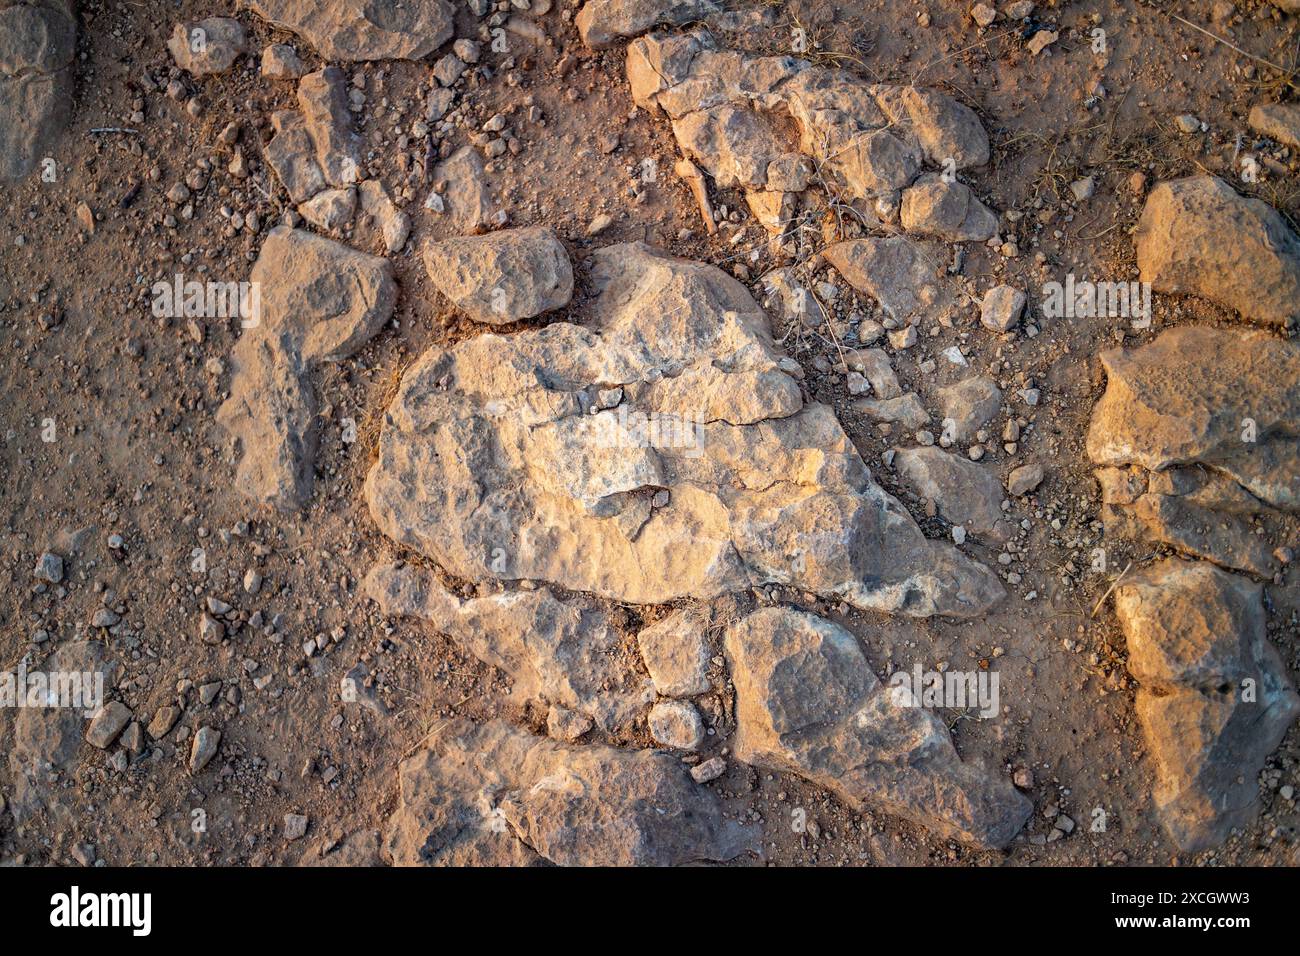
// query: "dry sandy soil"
[[137, 453]]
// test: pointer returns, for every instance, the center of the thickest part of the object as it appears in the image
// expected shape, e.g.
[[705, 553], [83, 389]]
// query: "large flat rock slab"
[[658, 451]]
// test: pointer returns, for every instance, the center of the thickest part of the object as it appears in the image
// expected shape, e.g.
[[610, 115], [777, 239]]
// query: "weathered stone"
[[107, 724], [965, 493], [37, 46], [537, 455], [1222, 398], [603, 23], [490, 794], [902, 275], [677, 654], [1215, 697], [556, 652], [946, 210], [319, 302], [46, 740], [750, 121], [49, 568], [807, 702], [394, 225], [676, 724], [292, 154], [204, 748], [568, 725], [1001, 308], [1279, 121], [163, 721], [330, 209], [504, 276], [1198, 236], [968, 406], [281, 62], [875, 367], [467, 201], [905, 410], [208, 47], [349, 30], [1024, 479], [323, 100]]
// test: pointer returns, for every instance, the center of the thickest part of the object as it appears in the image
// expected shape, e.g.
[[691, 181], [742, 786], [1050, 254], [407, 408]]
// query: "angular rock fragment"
[[1001, 308], [538, 455], [394, 225], [323, 100], [281, 62], [106, 725], [316, 147], [38, 41], [292, 155], [504, 276], [564, 653], [807, 702], [1215, 698], [467, 200], [208, 47], [965, 493], [603, 23], [351, 30], [490, 794], [946, 210], [1205, 421], [905, 410], [330, 209], [1198, 236], [319, 302], [902, 275], [968, 406], [755, 122]]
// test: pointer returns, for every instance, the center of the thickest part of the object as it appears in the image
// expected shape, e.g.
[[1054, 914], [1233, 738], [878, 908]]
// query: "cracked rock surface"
[[541, 455], [38, 40], [320, 302]]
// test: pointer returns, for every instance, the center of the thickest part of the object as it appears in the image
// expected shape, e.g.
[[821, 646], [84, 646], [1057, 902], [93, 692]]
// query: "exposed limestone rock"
[[394, 225], [676, 724], [965, 493], [504, 276], [467, 200], [946, 210], [603, 23], [1215, 697], [906, 410], [323, 100], [968, 406], [875, 367], [292, 155], [755, 122], [1203, 423], [808, 702], [1198, 236], [348, 30], [319, 302], [902, 275], [330, 209], [539, 456], [46, 740], [677, 653], [564, 653], [38, 41], [316, 147], [208, 47], [1279, 121], [494, 795]]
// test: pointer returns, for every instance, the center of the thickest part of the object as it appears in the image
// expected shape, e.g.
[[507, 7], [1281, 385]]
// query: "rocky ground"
[[542, 432]]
